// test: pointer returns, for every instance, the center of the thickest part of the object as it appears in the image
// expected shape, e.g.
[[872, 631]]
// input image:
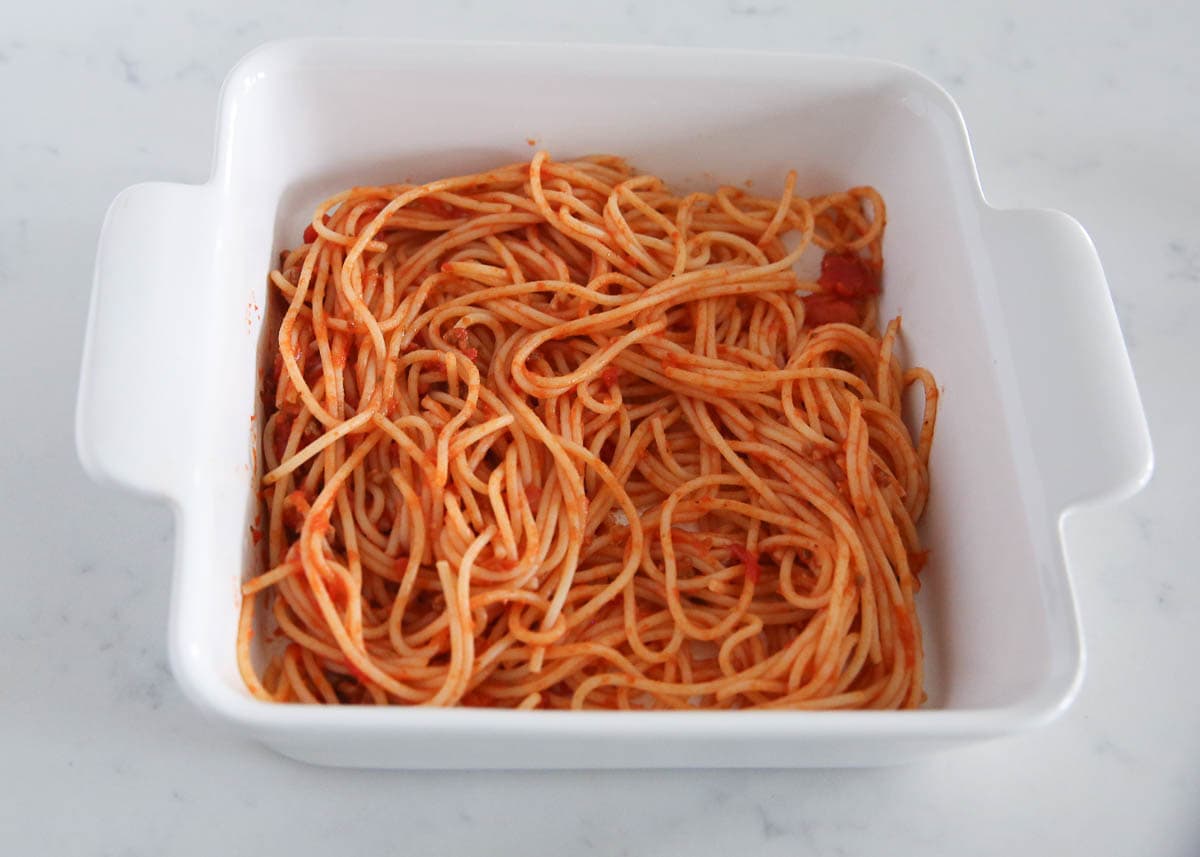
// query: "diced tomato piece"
[[847, 275], [826, 309]]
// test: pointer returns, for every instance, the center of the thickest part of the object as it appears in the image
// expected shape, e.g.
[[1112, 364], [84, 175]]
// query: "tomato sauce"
[[908, 638], [310, 231], [748, 560]]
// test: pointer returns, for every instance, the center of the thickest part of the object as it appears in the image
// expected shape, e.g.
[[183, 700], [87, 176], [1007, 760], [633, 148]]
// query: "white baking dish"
[[1008, 308]]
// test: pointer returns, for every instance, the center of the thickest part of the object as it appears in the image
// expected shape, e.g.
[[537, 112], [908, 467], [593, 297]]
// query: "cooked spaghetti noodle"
[[550, 436]]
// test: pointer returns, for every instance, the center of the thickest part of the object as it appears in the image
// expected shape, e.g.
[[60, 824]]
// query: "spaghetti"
[[550, 436]]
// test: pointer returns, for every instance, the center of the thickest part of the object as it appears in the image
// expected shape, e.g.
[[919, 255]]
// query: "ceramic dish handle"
[[141, 348], [1076, 385]]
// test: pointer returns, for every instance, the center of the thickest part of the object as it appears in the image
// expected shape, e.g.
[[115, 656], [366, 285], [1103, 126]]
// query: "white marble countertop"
[[1097, 115]]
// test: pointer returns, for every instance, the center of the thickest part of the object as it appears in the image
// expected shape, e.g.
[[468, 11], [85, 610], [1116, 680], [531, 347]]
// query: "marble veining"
[[1097, 114]]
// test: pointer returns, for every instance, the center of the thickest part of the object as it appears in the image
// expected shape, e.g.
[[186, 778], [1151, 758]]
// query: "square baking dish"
[[1009, 309]]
